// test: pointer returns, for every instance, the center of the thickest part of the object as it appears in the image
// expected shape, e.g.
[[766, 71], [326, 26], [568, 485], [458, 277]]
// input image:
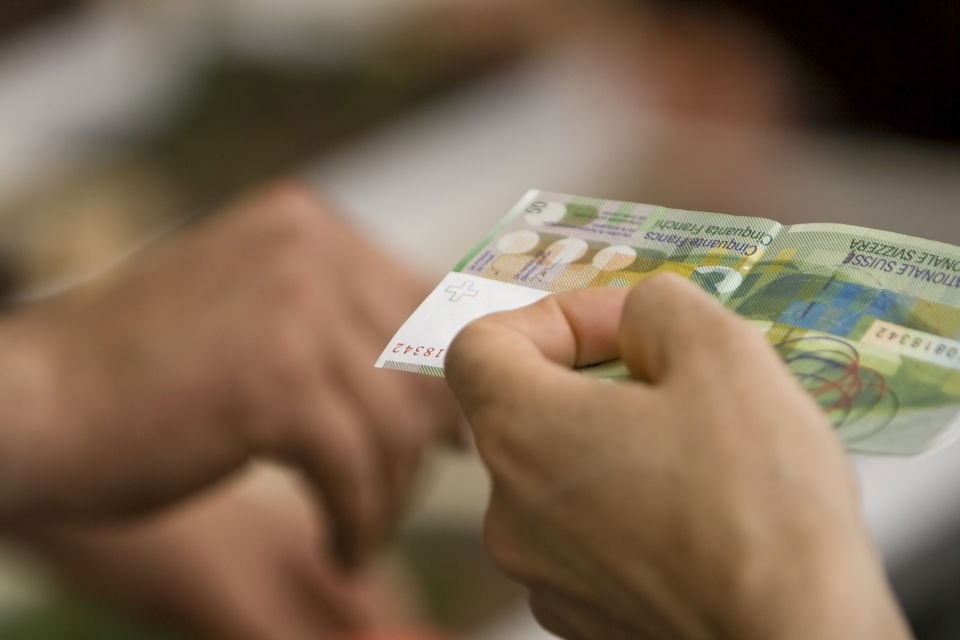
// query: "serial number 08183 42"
[[917, 344], [418, 351]]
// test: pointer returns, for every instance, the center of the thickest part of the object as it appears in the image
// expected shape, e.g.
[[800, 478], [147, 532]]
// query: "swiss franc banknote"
[[868, 321]]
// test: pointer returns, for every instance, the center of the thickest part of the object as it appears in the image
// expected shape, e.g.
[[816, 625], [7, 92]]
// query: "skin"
[[250, 335], [706, 498], [230, 563]]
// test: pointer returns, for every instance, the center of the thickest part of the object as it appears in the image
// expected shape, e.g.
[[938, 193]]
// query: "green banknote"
[[868, 321]]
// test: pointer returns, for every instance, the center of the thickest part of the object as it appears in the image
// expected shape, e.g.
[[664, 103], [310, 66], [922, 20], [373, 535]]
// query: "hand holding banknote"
[[705, 498], [249, 335]]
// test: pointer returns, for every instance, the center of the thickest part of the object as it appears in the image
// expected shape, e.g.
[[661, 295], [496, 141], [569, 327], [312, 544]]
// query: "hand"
[[252, 334], [229, 564], [706, 498]]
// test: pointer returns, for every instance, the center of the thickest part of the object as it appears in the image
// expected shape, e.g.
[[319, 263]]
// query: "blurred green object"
[[68, 617], [461, 588]]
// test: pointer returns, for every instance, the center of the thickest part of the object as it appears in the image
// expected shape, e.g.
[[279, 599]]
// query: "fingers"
[[415, 405], [670, 324], [365, 432], [333, 448], [379, 293], [397, 430], [265, 611], [515, 349], [572, 329], [386, 293]]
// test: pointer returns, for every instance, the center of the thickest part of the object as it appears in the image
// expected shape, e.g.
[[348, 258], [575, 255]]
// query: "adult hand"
[[239, 563], [252, 334], [705, 498]]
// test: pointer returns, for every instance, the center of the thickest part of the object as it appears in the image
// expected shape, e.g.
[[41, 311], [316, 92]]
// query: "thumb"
[[670, 326], [502, 354]]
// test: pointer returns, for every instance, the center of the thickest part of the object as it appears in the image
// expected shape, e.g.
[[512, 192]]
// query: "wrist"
[[830, 585]]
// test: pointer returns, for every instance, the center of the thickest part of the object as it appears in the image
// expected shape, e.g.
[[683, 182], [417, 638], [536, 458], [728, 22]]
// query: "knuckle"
[[657, 287], [290, 197], [691, 315], [293, 214]]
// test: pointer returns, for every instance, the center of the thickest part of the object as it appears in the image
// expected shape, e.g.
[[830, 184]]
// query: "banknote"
[[867, 321]]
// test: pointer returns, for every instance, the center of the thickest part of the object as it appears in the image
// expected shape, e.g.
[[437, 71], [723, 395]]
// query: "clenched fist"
[[705, 498]]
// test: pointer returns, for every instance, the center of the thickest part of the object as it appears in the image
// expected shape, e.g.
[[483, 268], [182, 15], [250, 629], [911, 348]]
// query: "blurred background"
[[426, 120]]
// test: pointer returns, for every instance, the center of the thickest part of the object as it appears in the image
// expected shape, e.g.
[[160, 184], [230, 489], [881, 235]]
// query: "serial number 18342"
[[418, 351]]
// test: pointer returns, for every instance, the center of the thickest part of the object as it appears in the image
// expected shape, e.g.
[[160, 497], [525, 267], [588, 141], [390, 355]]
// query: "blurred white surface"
[[430, 186], [516, 625], [105, 69]]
